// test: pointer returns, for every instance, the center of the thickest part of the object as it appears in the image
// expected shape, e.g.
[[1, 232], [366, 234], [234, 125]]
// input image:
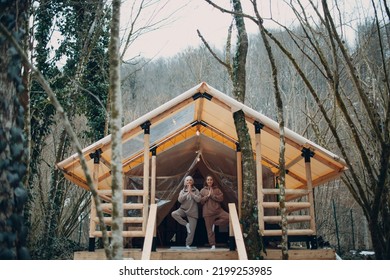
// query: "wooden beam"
[[310, 189], [278, 232], [76, 180], [318, 156], [125, 192], [290, 219], [290, 206], [259, 177], [132, 233], [235, 223], [126, 220], [146, 251], [153, 180], [291, 163], [146, 178], [301, 254], [126, 206], [239, 182], [93, 217], [288, 191], [296, 177], [153, 184]]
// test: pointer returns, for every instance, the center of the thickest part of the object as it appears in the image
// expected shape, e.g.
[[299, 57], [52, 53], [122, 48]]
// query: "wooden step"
[[278, 232], [124, 192], [301, 254], [290, 206], [125, 220], [287, 191], [271, 254], [132, 233], [203, 253], [126, 206], [290, 219]]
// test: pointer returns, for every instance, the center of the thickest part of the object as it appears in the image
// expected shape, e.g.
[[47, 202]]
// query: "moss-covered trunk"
[[252, 239], [249, 209], [13, 194]]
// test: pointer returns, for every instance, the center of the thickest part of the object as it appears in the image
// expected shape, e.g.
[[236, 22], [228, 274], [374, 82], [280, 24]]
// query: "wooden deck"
[[180, 253], [301, 254]]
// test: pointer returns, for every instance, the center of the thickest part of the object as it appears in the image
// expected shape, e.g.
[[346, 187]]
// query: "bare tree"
[[116, 134], [116, 251], [280, 117], [362, 108], [237, 72]]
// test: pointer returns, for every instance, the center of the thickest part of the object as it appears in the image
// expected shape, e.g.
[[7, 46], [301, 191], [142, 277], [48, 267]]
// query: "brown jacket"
[[189, 201], [211, 204]]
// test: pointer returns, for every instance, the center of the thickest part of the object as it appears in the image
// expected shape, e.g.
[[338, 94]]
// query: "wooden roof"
[[200, 120]]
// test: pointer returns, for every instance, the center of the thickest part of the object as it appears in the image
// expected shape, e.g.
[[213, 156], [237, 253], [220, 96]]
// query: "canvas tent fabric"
[[195, 133]]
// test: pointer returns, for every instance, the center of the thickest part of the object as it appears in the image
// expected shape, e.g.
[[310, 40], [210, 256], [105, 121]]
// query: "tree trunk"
[[55, 204], [282, 142], [116, 135], [13, 194], [253, 242]]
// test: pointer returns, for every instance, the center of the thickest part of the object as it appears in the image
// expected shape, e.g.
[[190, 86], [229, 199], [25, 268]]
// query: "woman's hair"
[[205, 181], [188, 177]]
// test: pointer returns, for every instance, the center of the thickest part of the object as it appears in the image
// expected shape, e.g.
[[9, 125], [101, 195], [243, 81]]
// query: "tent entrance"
[[170, 233]]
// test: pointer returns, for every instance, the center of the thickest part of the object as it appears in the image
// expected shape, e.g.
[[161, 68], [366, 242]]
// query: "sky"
[[181, 32], [186, 16]]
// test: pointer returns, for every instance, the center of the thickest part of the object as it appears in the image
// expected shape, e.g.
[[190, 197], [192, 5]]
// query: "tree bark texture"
[[282, 142], [13, 194], [116, 135], [252, 239]]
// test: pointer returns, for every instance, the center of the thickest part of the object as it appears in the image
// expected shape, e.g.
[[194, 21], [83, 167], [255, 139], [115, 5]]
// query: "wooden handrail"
[[126, 206], [287, 191], [290, 219], [289, 205], [146, 251], [235, 224], [125, 220], [124, 192]]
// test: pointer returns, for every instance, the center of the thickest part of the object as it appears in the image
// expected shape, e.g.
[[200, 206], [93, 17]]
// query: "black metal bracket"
[[202, 95], [258, 126], [96, 156], [146, 127], [307, 154]]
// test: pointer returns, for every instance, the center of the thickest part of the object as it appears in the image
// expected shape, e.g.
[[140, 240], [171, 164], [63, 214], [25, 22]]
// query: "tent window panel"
[[171, 124], [133, 145], [160, 130]]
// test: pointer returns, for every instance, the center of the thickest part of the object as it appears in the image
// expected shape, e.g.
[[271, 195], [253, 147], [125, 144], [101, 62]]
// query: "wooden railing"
[[147, 249], [235, 228], [134, 226], [292, 208]]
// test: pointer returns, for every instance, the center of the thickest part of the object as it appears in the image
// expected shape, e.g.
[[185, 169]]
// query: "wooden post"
[[259, 175], [238, 238], [153, 193], [146, 128], [239, 179], [95, 179], [153, 178], [307, 154]]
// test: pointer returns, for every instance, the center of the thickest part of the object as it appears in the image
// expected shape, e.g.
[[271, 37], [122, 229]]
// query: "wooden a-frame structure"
[[195, 131]]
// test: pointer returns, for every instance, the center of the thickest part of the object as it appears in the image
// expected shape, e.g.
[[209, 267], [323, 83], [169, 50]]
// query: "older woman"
[[189, 197]]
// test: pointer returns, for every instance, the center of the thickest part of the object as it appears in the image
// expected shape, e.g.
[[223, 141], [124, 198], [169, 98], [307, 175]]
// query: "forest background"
[[334, 86]]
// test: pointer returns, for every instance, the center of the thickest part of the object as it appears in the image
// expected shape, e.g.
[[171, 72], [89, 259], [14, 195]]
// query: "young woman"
[[213, 214], [189, 198]]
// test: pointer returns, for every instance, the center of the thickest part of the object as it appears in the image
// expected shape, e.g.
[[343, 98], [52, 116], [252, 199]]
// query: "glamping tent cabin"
[[194, 134]]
